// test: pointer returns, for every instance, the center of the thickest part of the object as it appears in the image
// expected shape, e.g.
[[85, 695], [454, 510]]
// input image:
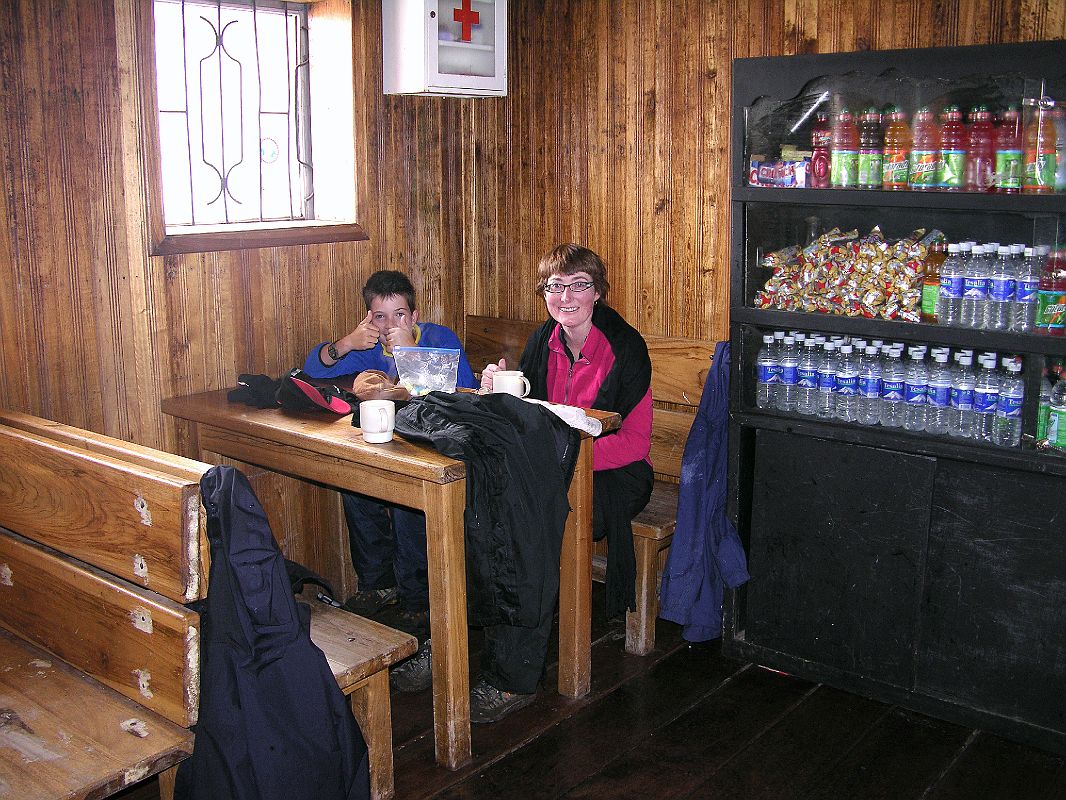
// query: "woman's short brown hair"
[[567, 259]]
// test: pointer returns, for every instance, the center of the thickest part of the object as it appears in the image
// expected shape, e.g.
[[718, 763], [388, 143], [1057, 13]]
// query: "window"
[[246, 164], [234, 111]]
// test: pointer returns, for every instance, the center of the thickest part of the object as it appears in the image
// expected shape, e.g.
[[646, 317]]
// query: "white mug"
[[377, 420], [510, 381]]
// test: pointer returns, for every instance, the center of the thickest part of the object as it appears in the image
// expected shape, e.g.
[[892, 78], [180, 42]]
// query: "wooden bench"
[[110, 519], [679, 369]]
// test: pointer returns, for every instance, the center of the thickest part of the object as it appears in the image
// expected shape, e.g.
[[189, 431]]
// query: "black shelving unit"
[[921, 570]]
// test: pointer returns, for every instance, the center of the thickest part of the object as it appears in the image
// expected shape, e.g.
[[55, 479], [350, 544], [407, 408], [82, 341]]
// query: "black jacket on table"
[[519, 458], [273, 722]]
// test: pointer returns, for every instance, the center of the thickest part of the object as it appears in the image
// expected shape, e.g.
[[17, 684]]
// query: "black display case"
[[922, 570]]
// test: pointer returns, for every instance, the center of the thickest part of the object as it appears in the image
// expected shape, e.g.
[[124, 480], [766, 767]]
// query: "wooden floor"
[[685, 722]]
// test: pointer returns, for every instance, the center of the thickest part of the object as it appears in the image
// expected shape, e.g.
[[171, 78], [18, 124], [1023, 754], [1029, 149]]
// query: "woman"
[[587, 355]]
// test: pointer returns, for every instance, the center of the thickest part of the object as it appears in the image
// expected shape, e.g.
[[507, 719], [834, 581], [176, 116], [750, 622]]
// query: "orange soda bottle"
[[895, 167], [925, 153], [1040, 161]]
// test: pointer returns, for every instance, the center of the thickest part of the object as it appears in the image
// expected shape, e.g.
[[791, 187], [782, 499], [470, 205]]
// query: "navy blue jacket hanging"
[[273, 724], [706, 554]]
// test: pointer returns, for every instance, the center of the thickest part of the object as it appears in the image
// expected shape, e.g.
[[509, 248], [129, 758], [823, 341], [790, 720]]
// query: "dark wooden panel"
[[994, 608], [837, 547]]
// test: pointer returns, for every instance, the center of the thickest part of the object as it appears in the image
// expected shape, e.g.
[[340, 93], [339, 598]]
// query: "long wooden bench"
[[118, 546], [679, 369]]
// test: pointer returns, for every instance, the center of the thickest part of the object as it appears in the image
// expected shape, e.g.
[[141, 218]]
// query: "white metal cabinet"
[[444, 47]]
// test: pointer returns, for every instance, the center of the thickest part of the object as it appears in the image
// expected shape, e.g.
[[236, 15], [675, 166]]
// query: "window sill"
[[246, 236]]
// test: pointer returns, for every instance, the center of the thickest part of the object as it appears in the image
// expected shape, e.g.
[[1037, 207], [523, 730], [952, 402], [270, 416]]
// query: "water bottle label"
[[939, 396], [1009, 406], [827, 381], [951, 287], [976, 288], [870, 386], [892, 390], [1025, 290], [847, 385], [962, 399], [787, 374], [925, 165], [807, 378], [985, 402], [1009, 169], [1001, 289], [952, 166], [915, 393], [767, 373]]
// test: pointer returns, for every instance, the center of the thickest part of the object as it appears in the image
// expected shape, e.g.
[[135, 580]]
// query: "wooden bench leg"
[[372, 707], [166, 783], [640, 624]]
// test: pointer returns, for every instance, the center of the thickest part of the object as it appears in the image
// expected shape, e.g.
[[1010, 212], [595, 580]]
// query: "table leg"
[[575, 582], [445, 504]]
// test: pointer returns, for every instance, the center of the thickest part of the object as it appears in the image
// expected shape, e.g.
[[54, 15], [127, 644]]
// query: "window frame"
[[333, 140]]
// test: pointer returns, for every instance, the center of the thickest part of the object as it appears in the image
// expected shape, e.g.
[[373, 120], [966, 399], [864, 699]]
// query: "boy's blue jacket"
[[706, 554]]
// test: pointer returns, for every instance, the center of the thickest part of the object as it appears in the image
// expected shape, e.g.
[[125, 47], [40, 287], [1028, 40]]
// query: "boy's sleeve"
[[445, 337], [351, 363]]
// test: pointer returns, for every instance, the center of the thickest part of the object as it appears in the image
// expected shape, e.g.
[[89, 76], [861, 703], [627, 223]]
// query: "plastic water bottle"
[[1043, 408], [786, 388], [827, 381], [870, 386], [975, 290], [892, 390], [765, 373], [961, 412], [938, 396], [1026, 288], [985, 401], [807, 379], [1009, 407], [847, 385], [916, 383], [1000, 291], [949, 302]]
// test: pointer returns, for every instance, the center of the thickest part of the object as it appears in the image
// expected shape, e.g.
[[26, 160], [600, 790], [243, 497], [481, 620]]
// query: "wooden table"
[[327, 449], [63, 734]]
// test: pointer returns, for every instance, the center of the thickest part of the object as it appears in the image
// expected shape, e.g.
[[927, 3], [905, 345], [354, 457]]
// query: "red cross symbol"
[[467, 18]]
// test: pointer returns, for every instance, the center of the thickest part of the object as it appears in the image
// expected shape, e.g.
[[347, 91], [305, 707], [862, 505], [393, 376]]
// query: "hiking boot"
[[369, 602], [489, 704], [416, 673]]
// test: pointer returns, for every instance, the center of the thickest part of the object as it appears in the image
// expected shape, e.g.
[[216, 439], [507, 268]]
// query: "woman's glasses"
[[576, 287]]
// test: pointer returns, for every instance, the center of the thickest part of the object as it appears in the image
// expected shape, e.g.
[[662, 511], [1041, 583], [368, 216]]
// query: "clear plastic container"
[[422, 370]]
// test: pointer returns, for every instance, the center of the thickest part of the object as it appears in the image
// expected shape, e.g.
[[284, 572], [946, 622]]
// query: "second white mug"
[[510, 381]]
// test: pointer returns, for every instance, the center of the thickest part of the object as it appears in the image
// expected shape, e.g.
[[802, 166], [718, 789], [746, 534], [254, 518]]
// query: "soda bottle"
[[1009, 409], [1051, 296], [892, 390], [895, 164], [847, 385], [954, 144], [821, 141], [1058, 115], [949, 299], [765, 373], [787, 376], [1040, 143], [844, 159], [1009, 152], [960, 415], [1001, 283], [807, 378], [871, 150], [975, 290], [870, 386], [827, 381], [931, 282], [981, 160], [1026, 288], [925, 153]]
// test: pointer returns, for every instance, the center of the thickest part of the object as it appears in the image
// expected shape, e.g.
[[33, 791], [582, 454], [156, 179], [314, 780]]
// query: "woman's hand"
[[488, 372]]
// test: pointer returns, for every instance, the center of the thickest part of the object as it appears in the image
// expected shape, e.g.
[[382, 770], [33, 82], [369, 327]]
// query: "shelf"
[[940, 201], [916, 443], [997, 341], [488, 48]]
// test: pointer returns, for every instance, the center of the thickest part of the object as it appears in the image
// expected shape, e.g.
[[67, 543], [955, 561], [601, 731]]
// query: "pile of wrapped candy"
[[847, 274]]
